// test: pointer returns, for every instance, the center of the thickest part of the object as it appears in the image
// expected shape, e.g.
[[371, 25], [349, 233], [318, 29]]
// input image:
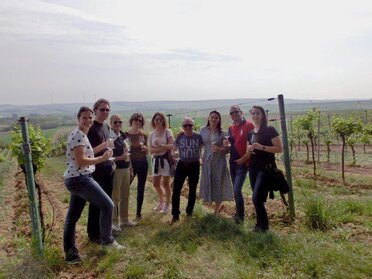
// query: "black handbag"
[[277, 182]]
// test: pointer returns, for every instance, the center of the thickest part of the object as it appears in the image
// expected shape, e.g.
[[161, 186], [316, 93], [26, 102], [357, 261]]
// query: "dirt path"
[[16, 215], [6, 223], [52, 204]]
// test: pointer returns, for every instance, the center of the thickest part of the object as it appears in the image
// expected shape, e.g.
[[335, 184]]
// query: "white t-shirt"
[[162, 139], [77, 138]]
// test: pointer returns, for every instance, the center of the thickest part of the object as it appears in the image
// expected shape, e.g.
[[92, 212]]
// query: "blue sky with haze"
[[77, 51]]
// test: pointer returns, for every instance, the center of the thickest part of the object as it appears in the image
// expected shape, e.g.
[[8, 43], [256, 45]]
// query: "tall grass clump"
[[318, 213]]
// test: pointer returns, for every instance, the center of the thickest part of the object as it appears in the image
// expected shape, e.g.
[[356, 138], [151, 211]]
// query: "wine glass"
[[226, 141], [112, 137], [111, 142], [141, 140], [127, 143], [213, 138]]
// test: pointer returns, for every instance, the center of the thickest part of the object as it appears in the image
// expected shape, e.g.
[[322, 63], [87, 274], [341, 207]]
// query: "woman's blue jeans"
[[258, 178], [238, 175], [84, 188]]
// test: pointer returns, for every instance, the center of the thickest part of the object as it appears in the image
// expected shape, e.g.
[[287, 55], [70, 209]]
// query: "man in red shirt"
[[238, 133]]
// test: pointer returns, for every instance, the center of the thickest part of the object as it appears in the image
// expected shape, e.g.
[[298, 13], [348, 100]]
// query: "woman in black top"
[[263, 143]]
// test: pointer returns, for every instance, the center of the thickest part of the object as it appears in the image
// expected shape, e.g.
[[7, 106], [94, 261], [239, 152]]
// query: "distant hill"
[[195, 108]]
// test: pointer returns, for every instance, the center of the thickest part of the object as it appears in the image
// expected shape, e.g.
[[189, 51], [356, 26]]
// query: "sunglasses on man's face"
[[187, 125], [117, 122], [104, 109]]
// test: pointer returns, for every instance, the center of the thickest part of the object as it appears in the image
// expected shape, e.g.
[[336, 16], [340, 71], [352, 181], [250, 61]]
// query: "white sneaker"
[[115, 228], [165, 209], [159, 206], [128, 224], [114, 245]]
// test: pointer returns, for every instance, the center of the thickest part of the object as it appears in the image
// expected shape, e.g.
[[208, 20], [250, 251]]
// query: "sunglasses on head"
[[187, 125], [104, 109], [235, 112], [117, 122]]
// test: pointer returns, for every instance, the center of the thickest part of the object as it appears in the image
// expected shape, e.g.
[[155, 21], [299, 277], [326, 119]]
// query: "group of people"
[[251, 146], [102, 161]]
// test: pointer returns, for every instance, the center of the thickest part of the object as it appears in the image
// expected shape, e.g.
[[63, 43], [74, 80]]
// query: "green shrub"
[[318, 213], [40, 146]]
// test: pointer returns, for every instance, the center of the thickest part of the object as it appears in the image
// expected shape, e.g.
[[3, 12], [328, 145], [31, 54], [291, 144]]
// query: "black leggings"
[[140, 168]]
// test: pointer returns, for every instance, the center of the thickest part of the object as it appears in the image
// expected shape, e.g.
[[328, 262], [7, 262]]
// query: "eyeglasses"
[[118, 122], [104, 109], [158, 119], [235, 112], [187, 125]]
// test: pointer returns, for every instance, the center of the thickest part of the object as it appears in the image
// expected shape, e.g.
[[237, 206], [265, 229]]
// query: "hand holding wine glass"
[[253, 141], [127, 144], [111, 140], [108, 155], [226, 141], [141, 140]]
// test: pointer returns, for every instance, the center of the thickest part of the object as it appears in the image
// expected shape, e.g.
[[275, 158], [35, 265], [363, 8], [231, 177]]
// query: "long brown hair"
[[165, 124], [263, 113], [263, 122], [219, 128], [136, 116]]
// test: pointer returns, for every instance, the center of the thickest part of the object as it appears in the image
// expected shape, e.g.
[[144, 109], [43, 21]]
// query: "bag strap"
[[283, 199]]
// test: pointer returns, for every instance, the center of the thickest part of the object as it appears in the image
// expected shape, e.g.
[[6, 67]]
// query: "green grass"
[[318, 213], [50, 132], [215, 247], [362, 159], [4, 138]]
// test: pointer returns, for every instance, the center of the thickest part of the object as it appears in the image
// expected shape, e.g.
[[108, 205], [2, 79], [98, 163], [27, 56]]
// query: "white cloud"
[[178, 49]]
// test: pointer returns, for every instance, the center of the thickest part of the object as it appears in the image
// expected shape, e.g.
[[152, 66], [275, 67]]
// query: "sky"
[[76, 51]]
